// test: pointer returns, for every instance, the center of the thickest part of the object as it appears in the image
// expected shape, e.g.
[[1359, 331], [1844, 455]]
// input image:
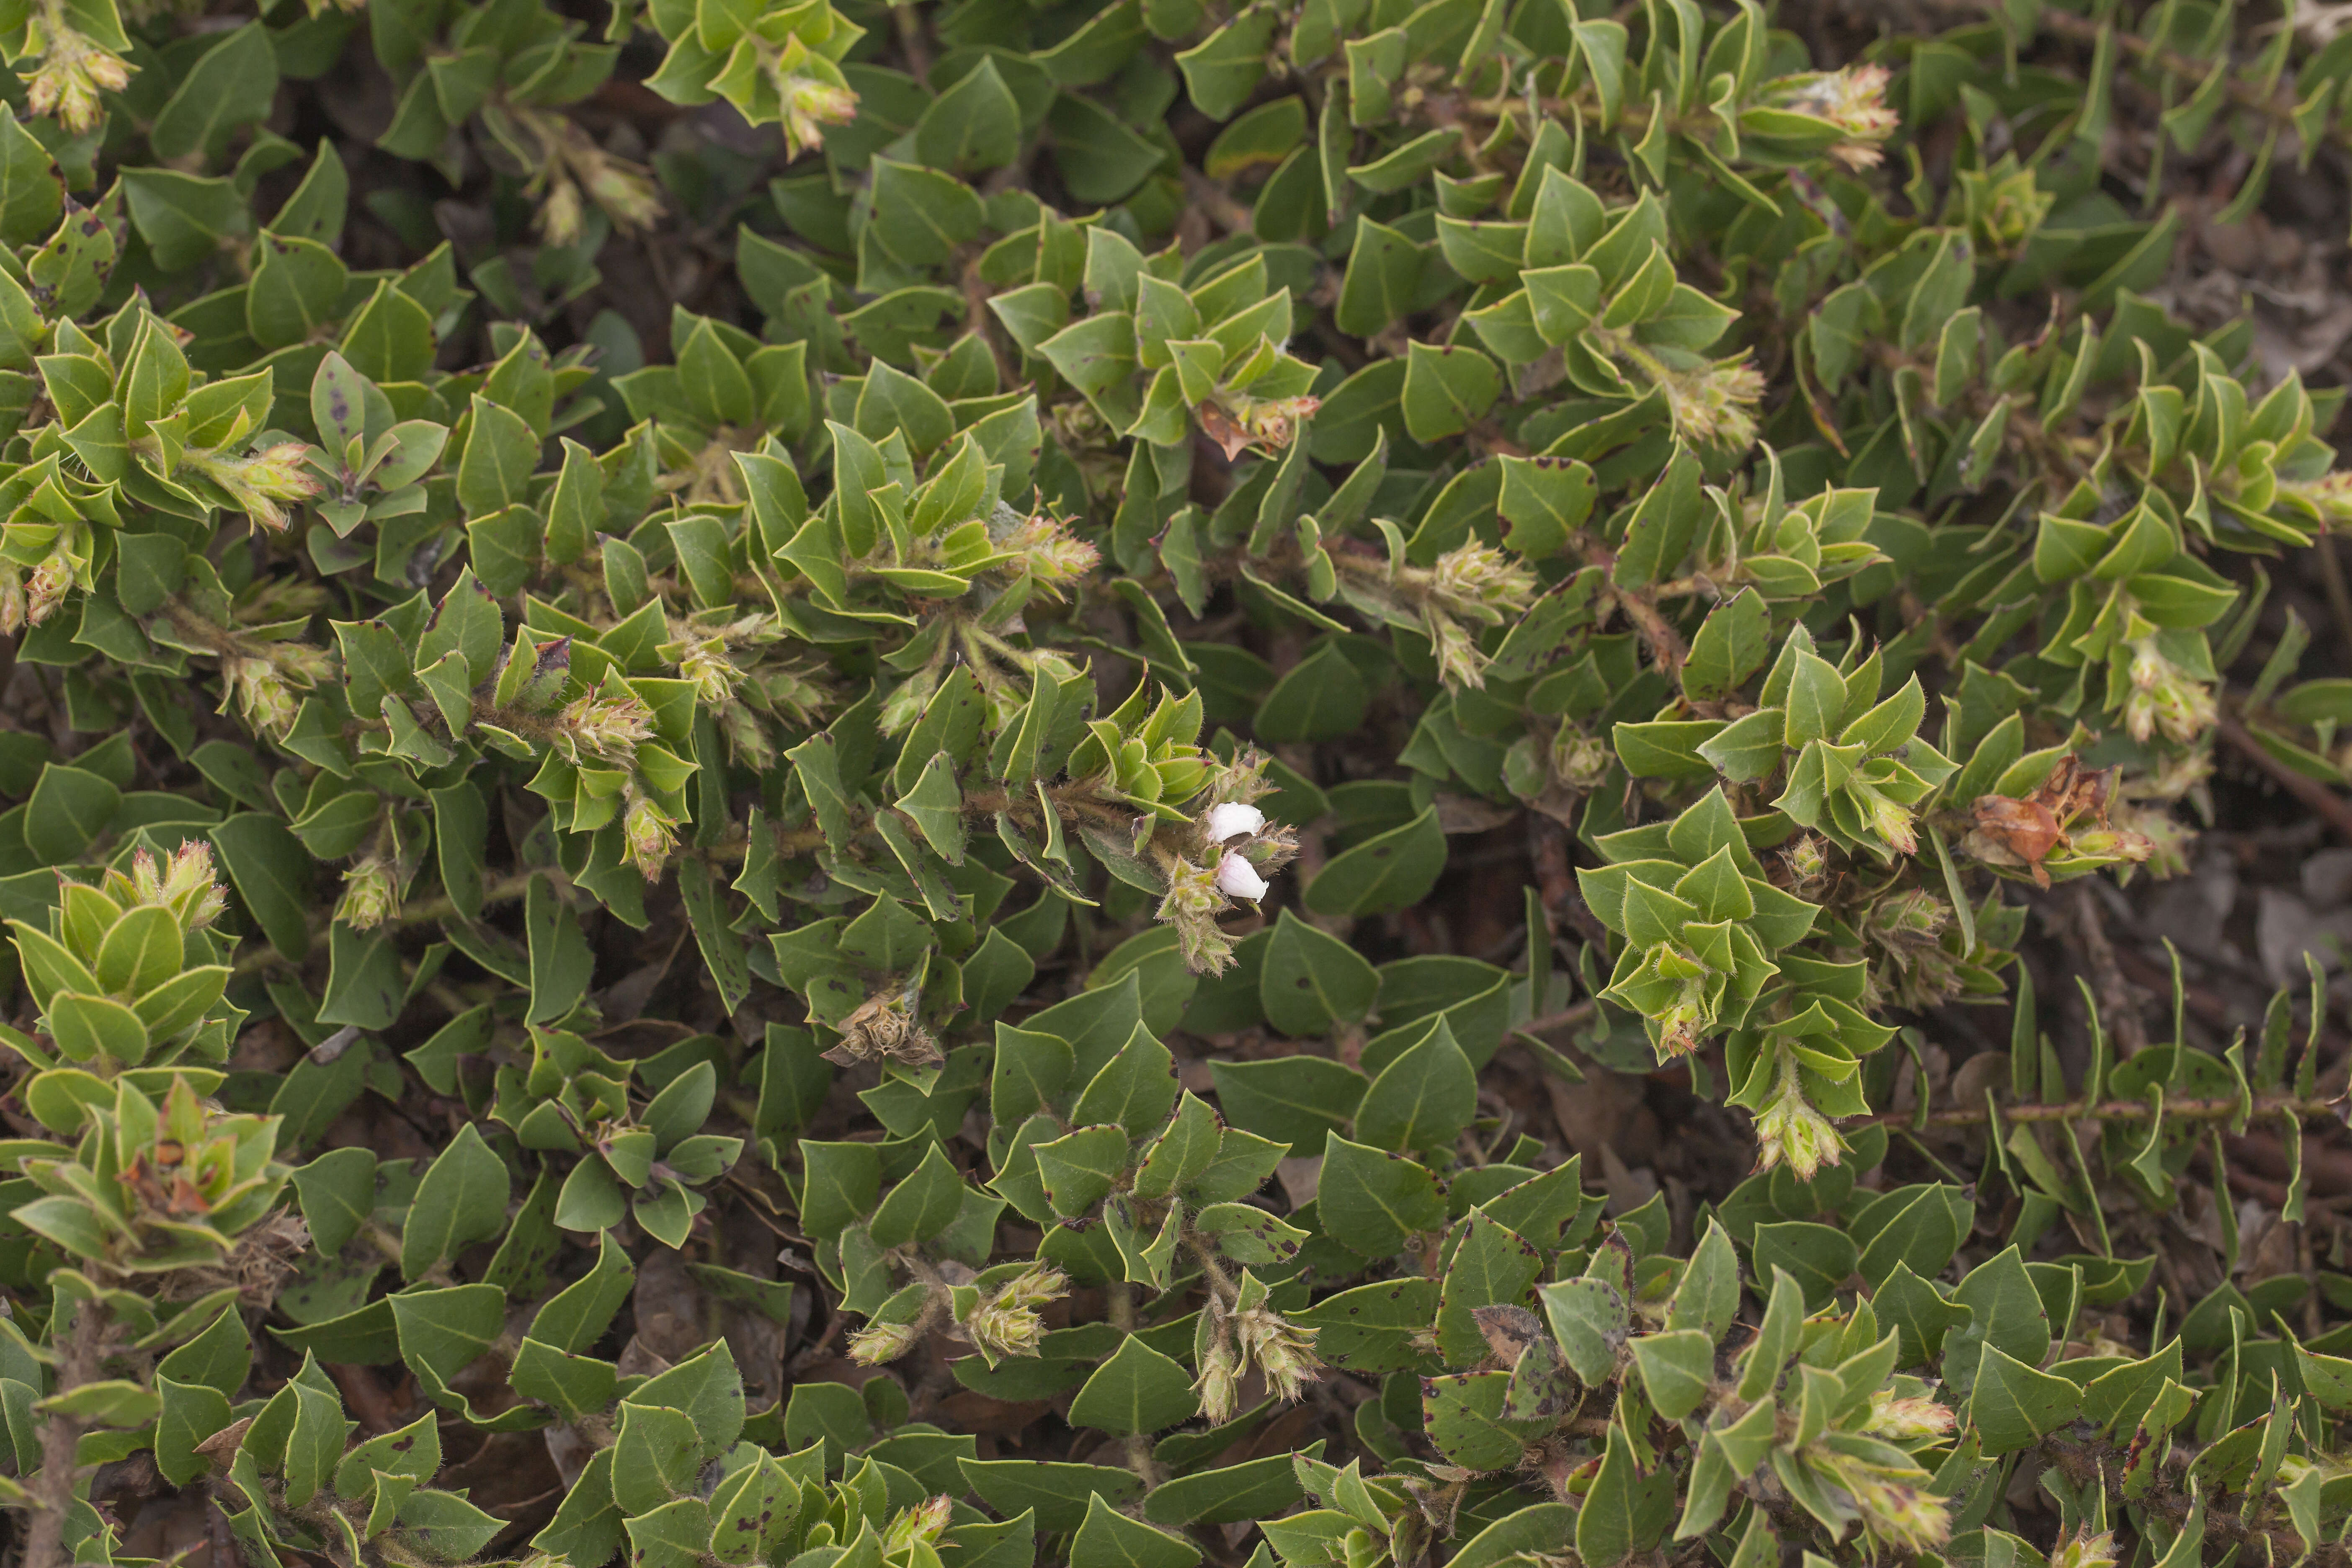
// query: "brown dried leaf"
[[1219, 426], [2008, 832], [1508, 1331]]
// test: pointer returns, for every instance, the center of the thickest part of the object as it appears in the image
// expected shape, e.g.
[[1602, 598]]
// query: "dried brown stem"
[[2330, 807]]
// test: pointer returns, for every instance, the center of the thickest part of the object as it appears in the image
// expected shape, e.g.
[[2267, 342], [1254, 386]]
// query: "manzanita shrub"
[[692, 917]]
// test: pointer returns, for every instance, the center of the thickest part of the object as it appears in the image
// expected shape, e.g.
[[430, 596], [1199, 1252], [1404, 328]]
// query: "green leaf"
[[1423, 1098], [561, 961], [1221, 71], [1311, 980], [973, 125], [1135, 1089], [1184, 1149], [1463, 1413], [1137, 1391], [1707, 1297], [414, 1451], [1079, 1169], [1676, 1368], [229, 88], [935, 807], [1446, 389], [1730, 645], [1322, 698], [1588, 1317], [184, 217], [70, 807], [1255, 1488], [1391, 870], [271, 873], [1493, 1266], [2012, 1405], [1820, 1258], [1816, 700], [2007, 1315], [1371, 1328], [1371, 1202], [1062, 1496], [921, 214], [495, 469], [1111, 1540], [1546, 502], [1382, 282], [1627, 1511], [298, 288], [337, 1194], [722, 948], [445, 1528], [922, 1206], [1293, 1101], [32, 191], [442, 1330]]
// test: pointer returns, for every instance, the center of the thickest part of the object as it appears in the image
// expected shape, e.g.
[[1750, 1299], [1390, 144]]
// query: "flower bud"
[[1272, 423], [1914, 915], [807, 105], [1891, 820], [186, 884], [1282, 1350], [1219, 1382], [924, 1523], [52, 580], [1683, 1023], [1482, 581], [260, 694], [1580, 760], [261, 483], [704, 661], [1906, 1420], [624, 193], [560, 213], [747, 739], [1716, 405], [2163, 695], [371, 895], [2084, 1550], [1854, 100], [1790, 1132], [73, 71], [1008, 1324], [1460, 665], [878, 1344], [1048, 554], [1896, 1510], [649, 833], [603, 726], [1807, 858]]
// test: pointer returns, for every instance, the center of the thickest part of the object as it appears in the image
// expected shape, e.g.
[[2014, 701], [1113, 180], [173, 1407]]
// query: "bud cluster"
[[1790, 1132]]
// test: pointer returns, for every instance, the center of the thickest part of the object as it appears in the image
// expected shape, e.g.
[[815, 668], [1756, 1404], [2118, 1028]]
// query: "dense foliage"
[[653, 936]]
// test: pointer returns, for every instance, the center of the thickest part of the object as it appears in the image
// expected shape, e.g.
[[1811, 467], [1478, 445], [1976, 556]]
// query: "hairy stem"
[[61, 1435]]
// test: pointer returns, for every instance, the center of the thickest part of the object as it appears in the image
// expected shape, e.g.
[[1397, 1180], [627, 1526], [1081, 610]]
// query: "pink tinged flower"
[[1236, 878], [1231, 819]]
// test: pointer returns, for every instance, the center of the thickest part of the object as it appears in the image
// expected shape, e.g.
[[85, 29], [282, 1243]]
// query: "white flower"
[[1238, 878], [1233, 820]]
